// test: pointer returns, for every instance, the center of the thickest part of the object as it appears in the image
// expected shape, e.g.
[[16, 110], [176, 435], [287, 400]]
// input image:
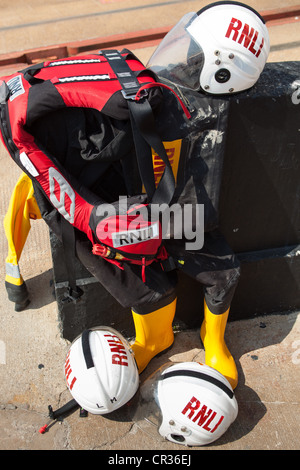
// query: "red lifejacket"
[[115, 84]]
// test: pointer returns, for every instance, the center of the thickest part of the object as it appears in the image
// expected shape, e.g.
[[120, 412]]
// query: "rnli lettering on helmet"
[[70, 377], [208, 419], [245, 35], [119, 355]]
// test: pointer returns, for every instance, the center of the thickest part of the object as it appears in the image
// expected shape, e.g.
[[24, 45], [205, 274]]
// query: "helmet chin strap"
[[86, 349], [64, 411]]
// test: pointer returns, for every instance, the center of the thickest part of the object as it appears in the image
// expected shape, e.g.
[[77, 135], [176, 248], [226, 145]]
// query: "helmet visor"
[[145, 411], [179, 58], [147, 406]]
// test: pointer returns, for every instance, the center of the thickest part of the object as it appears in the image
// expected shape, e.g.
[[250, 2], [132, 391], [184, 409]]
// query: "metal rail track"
[[133, 40]]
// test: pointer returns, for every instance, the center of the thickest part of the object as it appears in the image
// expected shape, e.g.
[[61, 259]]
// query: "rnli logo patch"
[[131, 237], [15, 86]]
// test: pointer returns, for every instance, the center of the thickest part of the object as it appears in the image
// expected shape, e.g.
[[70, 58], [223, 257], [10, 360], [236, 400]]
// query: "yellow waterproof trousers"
[[22, 208]]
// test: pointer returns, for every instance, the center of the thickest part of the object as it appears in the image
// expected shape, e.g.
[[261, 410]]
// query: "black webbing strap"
[[144, 132], [201, 376], [73, 293], [124, 74], [144, 129], [85, 342], [143, 154]]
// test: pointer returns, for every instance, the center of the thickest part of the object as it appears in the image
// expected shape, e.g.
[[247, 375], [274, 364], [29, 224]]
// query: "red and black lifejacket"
[[118, 85]]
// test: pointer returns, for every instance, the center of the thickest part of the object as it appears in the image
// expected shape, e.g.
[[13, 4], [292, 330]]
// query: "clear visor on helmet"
[[145, 409], [179, 58]]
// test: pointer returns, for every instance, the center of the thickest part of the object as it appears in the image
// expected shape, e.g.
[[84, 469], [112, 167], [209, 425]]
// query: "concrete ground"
[[32, 351]]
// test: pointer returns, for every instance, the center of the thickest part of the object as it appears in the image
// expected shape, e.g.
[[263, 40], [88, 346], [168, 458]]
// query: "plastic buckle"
[[72, 295], [131, 94]]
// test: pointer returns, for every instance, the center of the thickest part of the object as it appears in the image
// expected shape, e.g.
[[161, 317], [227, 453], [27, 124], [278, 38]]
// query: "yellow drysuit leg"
[[22, 208]]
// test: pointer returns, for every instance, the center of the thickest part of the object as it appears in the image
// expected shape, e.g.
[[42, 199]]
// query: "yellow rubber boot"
[[217, 354], [153, 334]]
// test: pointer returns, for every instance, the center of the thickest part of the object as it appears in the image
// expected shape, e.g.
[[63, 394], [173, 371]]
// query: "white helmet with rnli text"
[[221, 49], [101, 371], [190, 403]]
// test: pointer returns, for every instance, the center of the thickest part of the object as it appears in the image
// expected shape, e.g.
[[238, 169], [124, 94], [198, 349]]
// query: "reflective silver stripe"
[[12, 270], [75, 61], [81, 78]]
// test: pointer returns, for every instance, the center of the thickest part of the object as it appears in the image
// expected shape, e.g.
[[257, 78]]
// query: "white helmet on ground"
[[221, 49], [190, 403], [101, 371]]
